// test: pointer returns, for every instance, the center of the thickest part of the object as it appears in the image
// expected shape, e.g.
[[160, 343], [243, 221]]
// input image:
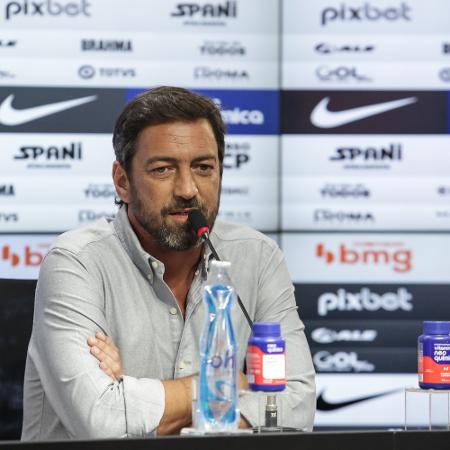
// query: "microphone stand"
[[205, 237]]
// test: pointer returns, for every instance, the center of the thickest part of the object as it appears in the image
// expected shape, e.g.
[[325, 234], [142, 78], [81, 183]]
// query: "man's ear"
[[121, 181]]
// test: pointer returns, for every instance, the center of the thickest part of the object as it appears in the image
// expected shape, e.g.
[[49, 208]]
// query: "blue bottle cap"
[[436, 327], [266, 329]]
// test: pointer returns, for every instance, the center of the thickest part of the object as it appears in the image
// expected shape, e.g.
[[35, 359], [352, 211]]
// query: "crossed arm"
[[178, 402]]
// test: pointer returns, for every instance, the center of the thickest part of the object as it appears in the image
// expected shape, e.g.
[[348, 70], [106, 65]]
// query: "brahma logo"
[[369, 253], [28, 257]]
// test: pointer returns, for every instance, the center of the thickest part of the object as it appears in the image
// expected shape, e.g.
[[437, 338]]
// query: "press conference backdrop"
[[337, 146]]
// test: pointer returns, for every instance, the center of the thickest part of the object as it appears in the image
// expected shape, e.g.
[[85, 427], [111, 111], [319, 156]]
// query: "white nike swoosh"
[[11, 116], [322, 117]]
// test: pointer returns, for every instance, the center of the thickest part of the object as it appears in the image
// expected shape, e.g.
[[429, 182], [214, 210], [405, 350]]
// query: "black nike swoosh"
[[324, 405]]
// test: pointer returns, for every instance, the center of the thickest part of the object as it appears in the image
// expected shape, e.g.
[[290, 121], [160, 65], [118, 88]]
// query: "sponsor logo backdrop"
[[339, 151]]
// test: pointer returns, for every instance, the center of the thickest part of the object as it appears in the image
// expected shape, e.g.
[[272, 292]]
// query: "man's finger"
[[108, 371], [109, 350], [102, 337], [107, 364]]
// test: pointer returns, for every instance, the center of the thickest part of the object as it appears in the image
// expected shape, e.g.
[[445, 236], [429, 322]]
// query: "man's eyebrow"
[[171, 159], [204, 158]]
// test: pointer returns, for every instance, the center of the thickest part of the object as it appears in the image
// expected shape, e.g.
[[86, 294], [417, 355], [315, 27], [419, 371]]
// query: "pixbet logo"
[[365, 12], [27, 258], [364, 300], [50, 8], [368, 253]]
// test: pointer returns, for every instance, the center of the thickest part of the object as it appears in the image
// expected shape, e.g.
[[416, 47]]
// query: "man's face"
[[175, 168]]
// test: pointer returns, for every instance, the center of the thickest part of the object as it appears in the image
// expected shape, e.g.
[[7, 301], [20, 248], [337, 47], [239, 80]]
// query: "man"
[[138, 280]]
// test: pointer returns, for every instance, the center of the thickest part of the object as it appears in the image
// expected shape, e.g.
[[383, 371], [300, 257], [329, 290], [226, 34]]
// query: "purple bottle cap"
[[266, 329], [436, 327]]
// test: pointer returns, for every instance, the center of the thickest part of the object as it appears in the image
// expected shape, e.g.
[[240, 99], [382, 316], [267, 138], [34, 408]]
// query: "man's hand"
[[103, 348], [177, 413]]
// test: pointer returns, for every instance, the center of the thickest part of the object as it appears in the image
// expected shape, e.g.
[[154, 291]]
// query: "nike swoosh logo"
[[322, 117], [324, 405], [11, 116]]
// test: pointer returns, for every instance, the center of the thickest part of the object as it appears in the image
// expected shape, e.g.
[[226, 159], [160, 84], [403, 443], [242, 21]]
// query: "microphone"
[[200, 227]]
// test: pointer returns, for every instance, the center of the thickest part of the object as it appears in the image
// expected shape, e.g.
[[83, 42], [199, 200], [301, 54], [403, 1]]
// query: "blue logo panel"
[[243, 111]]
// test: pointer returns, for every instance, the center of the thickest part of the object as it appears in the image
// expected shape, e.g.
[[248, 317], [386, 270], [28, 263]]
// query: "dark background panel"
[[366, 333], [16, 317], [365, 360], [428, 115], [97, 116], [373, 301]]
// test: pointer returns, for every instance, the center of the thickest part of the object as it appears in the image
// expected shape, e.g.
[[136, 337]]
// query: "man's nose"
[[185, 186]]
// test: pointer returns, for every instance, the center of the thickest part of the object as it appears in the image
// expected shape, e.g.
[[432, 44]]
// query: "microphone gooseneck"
[[200, 227]]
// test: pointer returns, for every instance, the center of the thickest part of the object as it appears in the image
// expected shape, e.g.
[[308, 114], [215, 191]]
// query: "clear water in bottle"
[[218, 372]]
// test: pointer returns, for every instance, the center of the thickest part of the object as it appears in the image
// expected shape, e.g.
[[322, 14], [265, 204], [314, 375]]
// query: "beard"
[[171, 235]]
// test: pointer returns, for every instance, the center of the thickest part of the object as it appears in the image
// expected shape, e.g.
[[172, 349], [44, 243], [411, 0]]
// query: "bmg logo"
[[28, 258], [399, 259]]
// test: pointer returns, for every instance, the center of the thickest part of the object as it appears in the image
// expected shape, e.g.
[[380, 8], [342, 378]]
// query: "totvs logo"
[[369, 253]]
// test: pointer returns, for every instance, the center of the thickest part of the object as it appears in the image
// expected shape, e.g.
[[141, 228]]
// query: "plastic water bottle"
[[218, 372]]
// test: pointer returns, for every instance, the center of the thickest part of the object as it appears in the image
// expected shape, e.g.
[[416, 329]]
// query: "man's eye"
[[205, 168], [160, 170]]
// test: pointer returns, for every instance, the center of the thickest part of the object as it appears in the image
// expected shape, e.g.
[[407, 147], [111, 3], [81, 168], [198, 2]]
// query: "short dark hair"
[[164, 104]]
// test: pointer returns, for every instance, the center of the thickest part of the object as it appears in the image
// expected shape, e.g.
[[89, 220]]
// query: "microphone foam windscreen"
[[197, 221]]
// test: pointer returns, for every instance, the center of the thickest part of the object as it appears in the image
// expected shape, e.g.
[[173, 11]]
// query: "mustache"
[[182, 204]]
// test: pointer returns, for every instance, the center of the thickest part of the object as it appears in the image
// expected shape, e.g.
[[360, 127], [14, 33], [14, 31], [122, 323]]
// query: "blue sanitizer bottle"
[[218, 349]]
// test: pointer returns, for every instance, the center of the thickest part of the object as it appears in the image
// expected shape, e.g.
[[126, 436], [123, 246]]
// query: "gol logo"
[[399, 259], [29, 258]]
